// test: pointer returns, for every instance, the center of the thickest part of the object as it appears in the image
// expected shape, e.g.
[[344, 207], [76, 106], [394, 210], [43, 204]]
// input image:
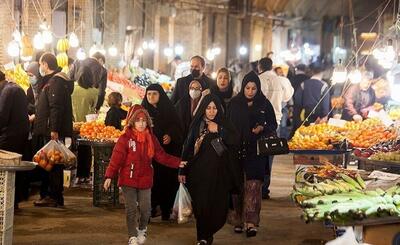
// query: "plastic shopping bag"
[[182, 210], [69, 157], [52, 153]]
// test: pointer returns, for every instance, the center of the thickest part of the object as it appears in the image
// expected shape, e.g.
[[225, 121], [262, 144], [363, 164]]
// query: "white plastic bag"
[[52, 153], [182, 210]]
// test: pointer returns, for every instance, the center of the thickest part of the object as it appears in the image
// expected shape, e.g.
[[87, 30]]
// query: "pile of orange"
[[97, 131], [360, 134]]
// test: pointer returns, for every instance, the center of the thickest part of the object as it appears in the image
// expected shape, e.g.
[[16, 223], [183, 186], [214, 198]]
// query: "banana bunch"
[[62, 45], [328, 187], [19, 76], [353, 206]]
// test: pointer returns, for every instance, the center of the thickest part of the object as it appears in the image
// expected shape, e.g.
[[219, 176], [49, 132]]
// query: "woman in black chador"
[[209, 169], [167, 129], [253, 116]]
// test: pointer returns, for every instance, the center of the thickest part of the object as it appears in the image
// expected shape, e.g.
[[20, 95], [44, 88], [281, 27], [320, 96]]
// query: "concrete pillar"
[[220, 39]]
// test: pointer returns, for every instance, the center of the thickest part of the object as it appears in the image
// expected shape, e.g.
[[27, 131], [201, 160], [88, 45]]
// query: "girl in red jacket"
[[131, 159]]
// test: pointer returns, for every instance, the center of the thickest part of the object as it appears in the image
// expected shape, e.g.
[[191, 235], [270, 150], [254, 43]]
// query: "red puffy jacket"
[[135, 170]]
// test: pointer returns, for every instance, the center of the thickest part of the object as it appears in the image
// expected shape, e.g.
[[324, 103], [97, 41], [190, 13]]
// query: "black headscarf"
[[252, 77], [164, 116], [201, 110]]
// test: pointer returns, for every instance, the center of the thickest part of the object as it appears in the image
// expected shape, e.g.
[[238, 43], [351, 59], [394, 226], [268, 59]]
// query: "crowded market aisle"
[[81, 223]]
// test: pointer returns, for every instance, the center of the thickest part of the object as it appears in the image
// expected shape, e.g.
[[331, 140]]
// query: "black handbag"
[[218, 146], [272, 146]]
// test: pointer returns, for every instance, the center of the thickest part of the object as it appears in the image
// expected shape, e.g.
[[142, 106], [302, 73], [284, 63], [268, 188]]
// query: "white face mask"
[[194, 94], [32, 80], [42, 72]]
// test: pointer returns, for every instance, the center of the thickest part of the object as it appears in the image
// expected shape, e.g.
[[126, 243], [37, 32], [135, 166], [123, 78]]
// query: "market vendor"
[[358, 100]]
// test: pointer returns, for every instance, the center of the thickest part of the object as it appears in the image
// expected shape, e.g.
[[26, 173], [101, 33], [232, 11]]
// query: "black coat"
[[14, 123], [211, 177], [114, 117], [297, 80], [226, 96], [99, 75], [182, 86], [183, 108], [54, 108], [245, 118]]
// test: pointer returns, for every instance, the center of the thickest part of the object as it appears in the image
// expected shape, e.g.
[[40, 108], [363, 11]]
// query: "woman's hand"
[[166, 139], [258, 129], [212, 127], [107, 184], [182, 179]]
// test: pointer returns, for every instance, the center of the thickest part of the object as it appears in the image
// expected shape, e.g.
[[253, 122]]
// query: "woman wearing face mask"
[[35, 87], [224, 88], [187, 105], [132, 160], [168, 131], [254, 117], [208, 172]]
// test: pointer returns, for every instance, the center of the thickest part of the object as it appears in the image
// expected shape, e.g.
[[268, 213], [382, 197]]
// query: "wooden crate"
[[382, 234]]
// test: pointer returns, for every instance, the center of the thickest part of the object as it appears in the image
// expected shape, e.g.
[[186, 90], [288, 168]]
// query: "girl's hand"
[[166, 139], [107, 184], [212, 127], [182, 179], [258, 129]]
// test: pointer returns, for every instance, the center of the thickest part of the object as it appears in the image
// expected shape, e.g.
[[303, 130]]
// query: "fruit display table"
[[306, 157], [102, 153], [9, 164]]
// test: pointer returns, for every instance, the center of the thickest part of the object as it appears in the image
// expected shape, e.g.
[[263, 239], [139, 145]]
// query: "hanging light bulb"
[[152, 45], [214, 75], [355, 76], [113, 51], [168, 52], [80, 54], [73, 40], [145, 45], [178, 49], [93, 49], [38, 41], [13, 48], [242, 50], [258, 47], [216, 51], [210, 55], [47, 36], [17, 35], [139, 51], [339, 73]]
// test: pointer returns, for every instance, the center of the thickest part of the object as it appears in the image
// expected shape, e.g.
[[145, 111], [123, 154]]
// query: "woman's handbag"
[[272, 146], [218, 146]]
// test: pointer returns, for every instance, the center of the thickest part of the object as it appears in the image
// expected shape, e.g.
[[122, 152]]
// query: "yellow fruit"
[[62, 60], [63, 45]]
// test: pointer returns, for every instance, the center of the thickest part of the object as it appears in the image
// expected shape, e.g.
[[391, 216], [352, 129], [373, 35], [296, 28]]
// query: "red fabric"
[[127, 151], [145, 138]]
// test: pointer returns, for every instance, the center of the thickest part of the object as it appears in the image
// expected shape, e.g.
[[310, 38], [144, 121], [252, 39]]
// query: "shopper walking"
[[197, 67], [224, 87], [209, 170], [167, 128], [253, 116], [278, 91], [299, 77], [186, 106], [132, 161], [53, 121]]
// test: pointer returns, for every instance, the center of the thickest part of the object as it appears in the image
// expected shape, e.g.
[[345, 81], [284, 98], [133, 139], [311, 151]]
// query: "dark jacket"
[[54, 108], [182, 86], [245, 118], [356, 101], [14, 123], [297, 80], [226, 96], [308, 95], [99, 75], [114, 117]]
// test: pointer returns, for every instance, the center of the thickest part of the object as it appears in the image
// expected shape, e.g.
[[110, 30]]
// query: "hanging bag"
[[182, 210], [269, 146]]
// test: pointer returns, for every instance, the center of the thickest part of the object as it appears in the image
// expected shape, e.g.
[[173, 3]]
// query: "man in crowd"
[[358, 100], [197, 66], [312, 93], [299, 77], [99, 74], [53, 121], [278, 91]]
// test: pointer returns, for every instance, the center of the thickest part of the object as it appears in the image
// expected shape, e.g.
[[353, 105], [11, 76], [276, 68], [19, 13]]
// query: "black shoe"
[[210, 240], [238, 229], [45, 202], [202, 242], [251, 232], [265, 196]]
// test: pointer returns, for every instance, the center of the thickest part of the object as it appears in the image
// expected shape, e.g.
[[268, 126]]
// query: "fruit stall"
[[101, 139], [339, 197]]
